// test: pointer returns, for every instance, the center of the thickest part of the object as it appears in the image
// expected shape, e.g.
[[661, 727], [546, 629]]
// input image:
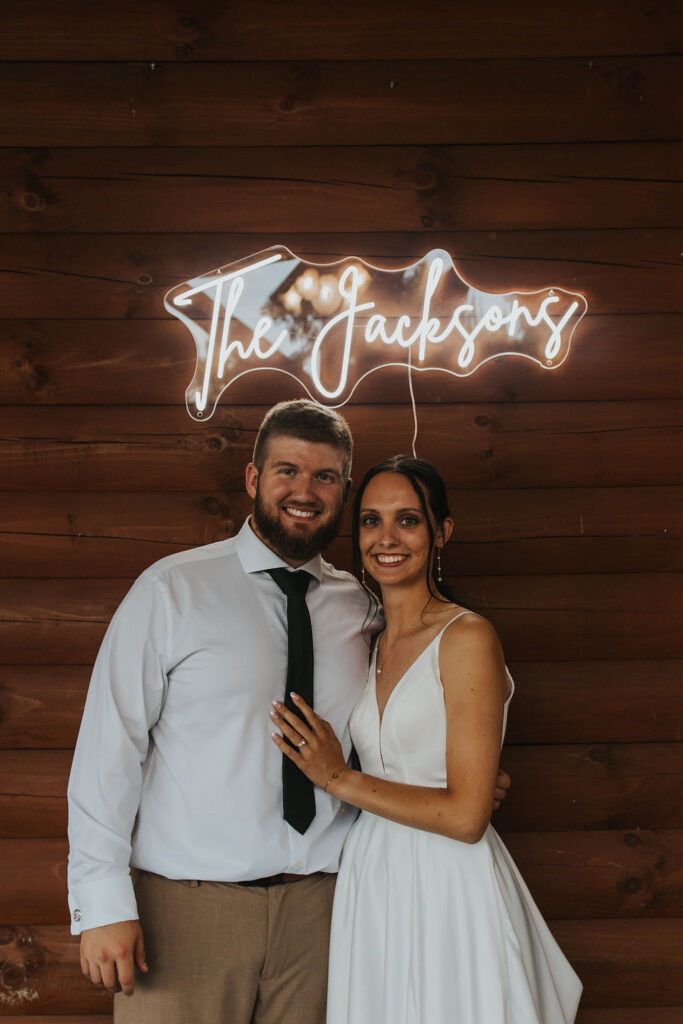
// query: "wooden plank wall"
[[539, 143]]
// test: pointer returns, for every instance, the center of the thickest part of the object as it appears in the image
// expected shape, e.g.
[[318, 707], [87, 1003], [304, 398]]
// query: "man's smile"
[[300, 513]]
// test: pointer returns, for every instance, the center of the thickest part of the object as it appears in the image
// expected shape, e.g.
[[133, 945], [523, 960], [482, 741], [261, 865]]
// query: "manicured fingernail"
[[294, 696], [277, 704], [274, 715], [274, 735]]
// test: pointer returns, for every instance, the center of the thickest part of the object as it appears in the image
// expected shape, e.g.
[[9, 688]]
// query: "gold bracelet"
[[333, 776]]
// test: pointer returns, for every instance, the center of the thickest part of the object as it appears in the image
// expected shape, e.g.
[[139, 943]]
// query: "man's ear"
[[347, 489], [251, 479]]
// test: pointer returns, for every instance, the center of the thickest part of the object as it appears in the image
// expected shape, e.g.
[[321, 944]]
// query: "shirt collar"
[[255, 556]]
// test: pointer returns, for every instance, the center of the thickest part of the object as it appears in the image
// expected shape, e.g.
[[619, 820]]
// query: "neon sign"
[[330, 325]]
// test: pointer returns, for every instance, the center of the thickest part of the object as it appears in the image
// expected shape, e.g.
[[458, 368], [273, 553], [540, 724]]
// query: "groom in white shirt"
[[175, 775], [182, 864]]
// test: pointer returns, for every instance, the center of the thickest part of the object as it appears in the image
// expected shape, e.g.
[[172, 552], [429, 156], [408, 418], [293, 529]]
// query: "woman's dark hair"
[[430, 489]]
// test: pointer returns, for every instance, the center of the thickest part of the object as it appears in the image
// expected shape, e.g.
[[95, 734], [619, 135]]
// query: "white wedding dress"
[[425, 929]]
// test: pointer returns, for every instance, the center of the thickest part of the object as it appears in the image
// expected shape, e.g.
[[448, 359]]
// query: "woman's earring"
[[438, 565], [362, 574]]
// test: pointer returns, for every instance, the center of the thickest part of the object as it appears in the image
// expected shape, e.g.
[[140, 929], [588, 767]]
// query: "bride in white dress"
[[432, 922]]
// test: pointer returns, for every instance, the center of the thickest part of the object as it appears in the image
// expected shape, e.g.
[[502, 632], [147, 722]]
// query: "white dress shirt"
[[175, 771]]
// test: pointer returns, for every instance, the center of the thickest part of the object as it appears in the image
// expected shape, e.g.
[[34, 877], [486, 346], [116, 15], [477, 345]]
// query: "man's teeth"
[[390, 559], [299, 513]]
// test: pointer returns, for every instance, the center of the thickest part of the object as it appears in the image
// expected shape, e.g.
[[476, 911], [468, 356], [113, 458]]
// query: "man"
[[175, 775]]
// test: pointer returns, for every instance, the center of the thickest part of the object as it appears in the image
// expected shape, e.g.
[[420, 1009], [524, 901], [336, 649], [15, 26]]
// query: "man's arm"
[[124, 701]]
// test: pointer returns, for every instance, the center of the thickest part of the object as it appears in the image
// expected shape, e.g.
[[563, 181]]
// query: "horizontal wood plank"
[[560, 617], [123, 276], [555, 702], [604, 786], [630, 1015], [536, 635], [158, 30], [535, 531], [476, 446], [599, 786], [623, 963], [141, 362], [571, 875], [640, 1015], [340, 102], [465, 188], [537, 617]]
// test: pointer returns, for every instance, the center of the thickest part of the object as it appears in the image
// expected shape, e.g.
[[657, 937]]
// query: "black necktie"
[[298, 798]]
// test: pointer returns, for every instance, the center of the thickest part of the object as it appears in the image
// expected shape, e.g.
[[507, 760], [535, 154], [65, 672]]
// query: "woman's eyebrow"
[[399, 511]]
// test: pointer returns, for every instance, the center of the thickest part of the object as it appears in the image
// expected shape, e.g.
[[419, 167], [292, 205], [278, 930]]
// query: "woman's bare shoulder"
[[470, 640]]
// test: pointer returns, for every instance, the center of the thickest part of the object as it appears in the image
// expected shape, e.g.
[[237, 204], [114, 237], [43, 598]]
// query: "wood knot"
[[632, 839], [482, 421], [32, 202], [633, 884]]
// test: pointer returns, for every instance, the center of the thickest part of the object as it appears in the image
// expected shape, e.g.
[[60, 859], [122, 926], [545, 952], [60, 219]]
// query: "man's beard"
[[290, 546]]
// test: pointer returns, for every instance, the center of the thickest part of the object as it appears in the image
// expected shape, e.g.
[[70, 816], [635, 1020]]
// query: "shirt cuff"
[[105, 901]]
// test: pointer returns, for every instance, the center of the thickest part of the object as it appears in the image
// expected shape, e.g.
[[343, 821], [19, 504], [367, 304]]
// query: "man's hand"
[[110, 954], [503, 783]]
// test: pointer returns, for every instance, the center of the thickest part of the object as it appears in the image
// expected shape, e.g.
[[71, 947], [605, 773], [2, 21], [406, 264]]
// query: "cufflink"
[[76, 915]]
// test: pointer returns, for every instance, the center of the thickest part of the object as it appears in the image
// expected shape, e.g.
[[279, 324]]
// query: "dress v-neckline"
[[382, 713]]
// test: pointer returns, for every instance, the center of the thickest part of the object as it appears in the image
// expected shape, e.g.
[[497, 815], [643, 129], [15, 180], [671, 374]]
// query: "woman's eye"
[[368, 521], [408, 521]]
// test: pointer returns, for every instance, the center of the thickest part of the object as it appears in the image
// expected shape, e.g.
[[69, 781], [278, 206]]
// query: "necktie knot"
[[293, 584]]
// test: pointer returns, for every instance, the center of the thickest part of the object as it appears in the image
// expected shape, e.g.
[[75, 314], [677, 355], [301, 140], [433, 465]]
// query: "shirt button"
[[76, 915], [298, 864]]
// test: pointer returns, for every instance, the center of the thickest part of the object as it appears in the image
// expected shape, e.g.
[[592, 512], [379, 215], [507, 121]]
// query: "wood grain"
[[339, 102], [555, 702], [142, 362], [627, 786], [571, 875], [537, 617], [535, 531], [466, 188], [125, 276], [160, 30], [476, 446], [623, 963]]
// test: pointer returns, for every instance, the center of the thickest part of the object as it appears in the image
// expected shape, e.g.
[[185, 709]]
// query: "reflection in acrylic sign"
[[330, 325]]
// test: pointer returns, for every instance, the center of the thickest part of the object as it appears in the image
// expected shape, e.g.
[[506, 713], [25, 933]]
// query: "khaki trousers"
[[222, 953]]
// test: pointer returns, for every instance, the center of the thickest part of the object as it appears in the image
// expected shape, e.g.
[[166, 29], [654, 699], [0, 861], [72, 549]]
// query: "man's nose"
[[304, 489]]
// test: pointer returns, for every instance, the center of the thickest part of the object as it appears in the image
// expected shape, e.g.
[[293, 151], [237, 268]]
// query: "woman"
[[432, 922]]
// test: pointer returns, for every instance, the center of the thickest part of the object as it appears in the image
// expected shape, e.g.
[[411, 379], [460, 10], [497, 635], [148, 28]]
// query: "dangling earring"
[[439, 577], [362, 574]]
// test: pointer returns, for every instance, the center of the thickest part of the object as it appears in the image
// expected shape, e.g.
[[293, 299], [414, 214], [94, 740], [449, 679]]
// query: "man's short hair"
[[307, 421]]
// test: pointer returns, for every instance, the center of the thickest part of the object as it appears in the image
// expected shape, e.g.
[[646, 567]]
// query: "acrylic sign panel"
[[330, 325]]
